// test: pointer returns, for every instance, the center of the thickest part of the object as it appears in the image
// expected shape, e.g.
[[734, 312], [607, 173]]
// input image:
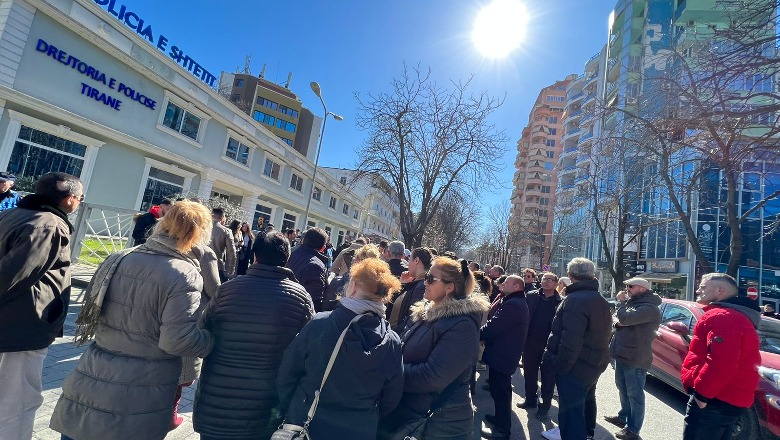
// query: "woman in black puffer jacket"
[[440, 351]]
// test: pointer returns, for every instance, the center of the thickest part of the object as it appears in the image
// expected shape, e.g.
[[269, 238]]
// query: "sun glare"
[[500, 28]]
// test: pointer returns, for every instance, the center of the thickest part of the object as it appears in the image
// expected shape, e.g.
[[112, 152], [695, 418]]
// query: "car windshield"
[[769, 335]]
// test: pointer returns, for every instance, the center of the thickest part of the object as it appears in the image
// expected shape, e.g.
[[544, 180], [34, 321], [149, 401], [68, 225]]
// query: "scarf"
[[87, 321], [361, 306]]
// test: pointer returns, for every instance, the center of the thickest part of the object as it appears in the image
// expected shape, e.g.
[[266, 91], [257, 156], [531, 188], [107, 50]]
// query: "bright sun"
[[499, 28]]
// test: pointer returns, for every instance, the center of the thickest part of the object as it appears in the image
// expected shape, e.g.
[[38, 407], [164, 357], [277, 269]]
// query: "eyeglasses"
[[548, 279], [430, 279], [630, 286], [79, 198]]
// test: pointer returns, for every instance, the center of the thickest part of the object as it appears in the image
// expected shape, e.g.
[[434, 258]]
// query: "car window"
[[769, 335], [675, 313]]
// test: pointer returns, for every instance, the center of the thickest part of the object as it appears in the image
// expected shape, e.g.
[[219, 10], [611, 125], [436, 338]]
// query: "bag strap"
[[333, 356], [438, 402]]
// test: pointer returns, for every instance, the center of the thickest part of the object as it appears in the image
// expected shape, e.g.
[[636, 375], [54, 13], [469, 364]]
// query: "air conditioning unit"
[[630, 100]]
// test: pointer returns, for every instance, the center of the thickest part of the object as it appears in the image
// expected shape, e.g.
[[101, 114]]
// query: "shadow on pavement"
[[666, 394]]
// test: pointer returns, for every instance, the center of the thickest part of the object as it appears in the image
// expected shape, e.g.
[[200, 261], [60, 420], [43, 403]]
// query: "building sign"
[[97, 92], [706, 236], [663, 266], [136, 23]]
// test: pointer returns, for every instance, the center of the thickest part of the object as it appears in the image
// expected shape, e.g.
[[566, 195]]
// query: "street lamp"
[[315, 87]]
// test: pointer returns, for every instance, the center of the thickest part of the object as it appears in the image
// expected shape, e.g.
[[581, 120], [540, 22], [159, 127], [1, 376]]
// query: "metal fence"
[[99, 231]]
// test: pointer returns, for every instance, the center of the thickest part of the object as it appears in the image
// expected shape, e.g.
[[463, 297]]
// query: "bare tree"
[[428, 140], [709, 122], [498, 241], [453, 224]]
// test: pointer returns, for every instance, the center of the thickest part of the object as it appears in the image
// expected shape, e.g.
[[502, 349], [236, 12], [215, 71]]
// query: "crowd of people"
[[387, 346]]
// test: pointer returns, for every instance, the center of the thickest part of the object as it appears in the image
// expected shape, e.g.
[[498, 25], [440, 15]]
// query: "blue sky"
[[359, 46]]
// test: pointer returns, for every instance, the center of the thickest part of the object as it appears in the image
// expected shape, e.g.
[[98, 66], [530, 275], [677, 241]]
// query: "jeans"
[[630, 383], [576, 407], [501, 392], [715, 422], [20, 392]]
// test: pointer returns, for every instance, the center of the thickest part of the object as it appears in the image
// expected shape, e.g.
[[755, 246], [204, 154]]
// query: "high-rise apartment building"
[[535, 180], [276, 107]]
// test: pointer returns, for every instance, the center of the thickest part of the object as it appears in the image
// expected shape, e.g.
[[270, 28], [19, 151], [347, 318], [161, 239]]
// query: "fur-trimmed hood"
[[475, 305]]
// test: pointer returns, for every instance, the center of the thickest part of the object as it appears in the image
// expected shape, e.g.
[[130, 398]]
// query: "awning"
[[664, 278]]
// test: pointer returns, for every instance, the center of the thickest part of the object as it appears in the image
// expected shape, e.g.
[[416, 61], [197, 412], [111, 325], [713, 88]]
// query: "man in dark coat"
[[253, 319], [504, 335], [145, 222], [309, 265], [542, 305], [638, 318], [394, 255], [578, 349], [34, 294]]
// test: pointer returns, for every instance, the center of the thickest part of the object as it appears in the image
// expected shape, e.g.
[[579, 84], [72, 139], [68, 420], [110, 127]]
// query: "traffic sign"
[[546, 267], [752, 292]]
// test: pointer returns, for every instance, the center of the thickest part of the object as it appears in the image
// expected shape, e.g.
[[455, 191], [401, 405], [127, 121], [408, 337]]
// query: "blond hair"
[[189, 223], [373, 276], [366, 252], [458, 273]]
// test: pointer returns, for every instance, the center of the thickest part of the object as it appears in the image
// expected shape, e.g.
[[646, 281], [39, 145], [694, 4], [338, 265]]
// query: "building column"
[[248, 205]]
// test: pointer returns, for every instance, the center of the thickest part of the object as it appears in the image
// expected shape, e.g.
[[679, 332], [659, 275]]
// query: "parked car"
[[762, 420]]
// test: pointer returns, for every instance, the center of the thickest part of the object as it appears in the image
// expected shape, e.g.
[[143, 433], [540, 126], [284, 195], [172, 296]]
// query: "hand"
[[621, 296], [701, 404], [406, 278]]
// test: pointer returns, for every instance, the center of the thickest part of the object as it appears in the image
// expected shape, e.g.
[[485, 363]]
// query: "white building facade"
[[89, 88]]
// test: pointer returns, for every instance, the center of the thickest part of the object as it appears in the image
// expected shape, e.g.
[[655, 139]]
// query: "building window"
[[239, 82], [36, 153], [267, 103], [555, 98], [288, 111], [237, 151], [545, 189], [356, 215], [287, 141], [553, 131], [288, 222], [181, 121], [311, 224], [160, 185], [284, 125], [550, 154], [271, 169], [316, 194], [264, 118], [544, 201], [329, 231], [332, 204], [343, 180], [296, 182], [262, 212], [550, 142], [552, 119], [345, 209]]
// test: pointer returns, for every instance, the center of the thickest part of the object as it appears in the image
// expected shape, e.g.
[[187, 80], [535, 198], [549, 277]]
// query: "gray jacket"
[[638, 320], [125, 383], [223, 244]]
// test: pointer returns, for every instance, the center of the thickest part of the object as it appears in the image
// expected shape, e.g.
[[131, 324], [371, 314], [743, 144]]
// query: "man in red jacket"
[[721, 368]]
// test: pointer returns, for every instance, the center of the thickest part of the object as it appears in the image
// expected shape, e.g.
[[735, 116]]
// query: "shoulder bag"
[[288, 431]]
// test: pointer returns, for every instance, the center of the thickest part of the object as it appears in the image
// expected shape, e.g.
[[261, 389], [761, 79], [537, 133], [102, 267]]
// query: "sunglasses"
[[80, 198], [430, 279], [630, 286]]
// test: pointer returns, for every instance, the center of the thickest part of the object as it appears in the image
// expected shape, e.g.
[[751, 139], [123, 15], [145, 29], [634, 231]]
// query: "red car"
[[762, 420]]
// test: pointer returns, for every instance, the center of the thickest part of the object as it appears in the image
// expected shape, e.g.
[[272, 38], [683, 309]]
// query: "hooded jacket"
[[144, 224], [34, 274], [365, 383], [723, 358], [253, 320], [309, 267], [581, 329], [638, 320], [440, 349]]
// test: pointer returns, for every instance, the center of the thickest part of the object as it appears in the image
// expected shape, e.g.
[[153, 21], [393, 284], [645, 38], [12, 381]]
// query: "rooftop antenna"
[[247, 61], [289, 78], [262, 72]]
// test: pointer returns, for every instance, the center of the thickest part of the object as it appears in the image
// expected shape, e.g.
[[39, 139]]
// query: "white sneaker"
[[552, 434]]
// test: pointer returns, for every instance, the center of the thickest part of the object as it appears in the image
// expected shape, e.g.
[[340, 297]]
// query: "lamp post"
[[315, 87]]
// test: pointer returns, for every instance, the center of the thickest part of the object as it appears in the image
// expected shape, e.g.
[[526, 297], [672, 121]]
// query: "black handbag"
[[415, 429]]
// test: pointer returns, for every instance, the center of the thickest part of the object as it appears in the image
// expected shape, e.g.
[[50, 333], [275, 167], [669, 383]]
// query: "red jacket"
[[723, 358]]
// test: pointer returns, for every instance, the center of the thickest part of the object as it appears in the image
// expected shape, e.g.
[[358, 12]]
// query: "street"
[[663, 420]]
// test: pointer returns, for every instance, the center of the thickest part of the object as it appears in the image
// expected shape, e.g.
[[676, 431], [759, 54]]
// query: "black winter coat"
[[579, 342], [505, 333], [310, 268], [143, 225], [412, 292], [365, 383], [537, 337], [253, 319], [440, 349]]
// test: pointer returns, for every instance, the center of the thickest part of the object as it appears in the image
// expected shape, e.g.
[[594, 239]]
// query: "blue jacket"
[[10, 201], [308, 265], [365, 383], [505, 333]]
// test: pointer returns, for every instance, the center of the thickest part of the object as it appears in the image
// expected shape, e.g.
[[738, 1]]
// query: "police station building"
[[90, 88]]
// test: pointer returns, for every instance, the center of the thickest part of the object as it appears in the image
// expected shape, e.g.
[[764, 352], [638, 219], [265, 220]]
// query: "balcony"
[[585, 137], [571, 133], [571, 116], [582, 159], [574, 98]]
